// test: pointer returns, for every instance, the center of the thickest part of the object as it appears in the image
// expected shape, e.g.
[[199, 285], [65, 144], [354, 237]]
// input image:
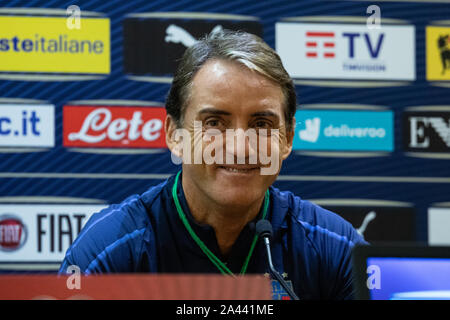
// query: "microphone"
[[264, 232]]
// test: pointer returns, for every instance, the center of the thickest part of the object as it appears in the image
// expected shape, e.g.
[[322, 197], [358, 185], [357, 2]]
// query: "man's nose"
[[241, 145]]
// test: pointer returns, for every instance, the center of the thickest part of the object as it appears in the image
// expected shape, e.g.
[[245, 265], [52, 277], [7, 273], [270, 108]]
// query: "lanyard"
[[211, 256]]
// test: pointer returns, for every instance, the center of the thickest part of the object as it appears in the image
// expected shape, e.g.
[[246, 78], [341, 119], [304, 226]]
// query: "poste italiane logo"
[[45, 44]]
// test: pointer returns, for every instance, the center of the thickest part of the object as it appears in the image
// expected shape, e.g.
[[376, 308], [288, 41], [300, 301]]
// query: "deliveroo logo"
[[344, 130], [312, 130]]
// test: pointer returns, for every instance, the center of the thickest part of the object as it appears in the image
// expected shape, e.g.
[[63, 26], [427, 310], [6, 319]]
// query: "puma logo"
[[177, 34], [367, 219]]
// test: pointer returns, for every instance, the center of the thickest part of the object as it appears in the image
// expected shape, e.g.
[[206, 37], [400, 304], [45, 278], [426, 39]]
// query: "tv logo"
[[314, 40], [27, 126], [343, 130], [346, 51], [373, 46], [427, 131]]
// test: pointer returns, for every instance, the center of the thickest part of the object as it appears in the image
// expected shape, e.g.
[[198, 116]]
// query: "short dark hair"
[[242, 47]]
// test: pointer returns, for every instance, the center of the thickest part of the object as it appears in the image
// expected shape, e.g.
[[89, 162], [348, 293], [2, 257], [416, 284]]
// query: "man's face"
[[226, 100]]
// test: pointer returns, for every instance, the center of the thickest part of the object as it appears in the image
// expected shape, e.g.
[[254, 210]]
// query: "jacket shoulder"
[[331, 238], [319, 221], [113, 236]]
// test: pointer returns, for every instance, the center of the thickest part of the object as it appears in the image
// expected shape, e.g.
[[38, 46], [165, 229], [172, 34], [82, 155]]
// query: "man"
[[231, 99]]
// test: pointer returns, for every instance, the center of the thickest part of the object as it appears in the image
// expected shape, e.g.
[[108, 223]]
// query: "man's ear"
[[289, 140], [169, 127]]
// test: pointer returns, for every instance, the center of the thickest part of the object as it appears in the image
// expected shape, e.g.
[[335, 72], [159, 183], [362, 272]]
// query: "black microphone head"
[[264, 228]]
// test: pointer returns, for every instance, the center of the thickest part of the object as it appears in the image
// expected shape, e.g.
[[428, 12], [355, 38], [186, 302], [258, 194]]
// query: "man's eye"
[[212, 123], [263, 124]]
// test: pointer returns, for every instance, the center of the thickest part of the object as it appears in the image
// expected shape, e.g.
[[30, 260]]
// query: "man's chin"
[[238, 196]]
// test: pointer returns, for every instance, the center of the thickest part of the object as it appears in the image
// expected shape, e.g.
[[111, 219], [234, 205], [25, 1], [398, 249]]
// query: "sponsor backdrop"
[[82, 90]]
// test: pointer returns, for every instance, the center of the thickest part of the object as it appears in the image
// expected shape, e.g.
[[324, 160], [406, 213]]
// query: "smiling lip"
[[239, 168]]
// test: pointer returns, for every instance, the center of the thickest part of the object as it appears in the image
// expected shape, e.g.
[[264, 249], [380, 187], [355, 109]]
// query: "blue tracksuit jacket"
[[311, 246]]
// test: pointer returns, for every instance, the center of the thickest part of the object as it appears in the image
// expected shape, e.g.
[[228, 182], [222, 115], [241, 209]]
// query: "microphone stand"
[[275, 273]]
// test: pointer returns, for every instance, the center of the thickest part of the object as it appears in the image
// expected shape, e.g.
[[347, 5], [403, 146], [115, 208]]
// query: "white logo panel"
[[346, 51], [27, 125], [51, 229]]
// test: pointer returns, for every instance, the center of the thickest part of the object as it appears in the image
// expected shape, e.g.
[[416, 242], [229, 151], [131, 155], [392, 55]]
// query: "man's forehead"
[[220, 73], [219, 80]]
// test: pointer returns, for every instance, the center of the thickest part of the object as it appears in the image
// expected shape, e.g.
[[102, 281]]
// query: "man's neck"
[[227, 221]]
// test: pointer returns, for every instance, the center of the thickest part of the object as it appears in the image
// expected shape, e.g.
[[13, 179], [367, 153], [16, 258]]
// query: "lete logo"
[[120, 127], [13, 233]]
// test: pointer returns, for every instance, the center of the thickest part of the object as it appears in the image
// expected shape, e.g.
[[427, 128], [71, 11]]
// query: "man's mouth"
[[239, 169]]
